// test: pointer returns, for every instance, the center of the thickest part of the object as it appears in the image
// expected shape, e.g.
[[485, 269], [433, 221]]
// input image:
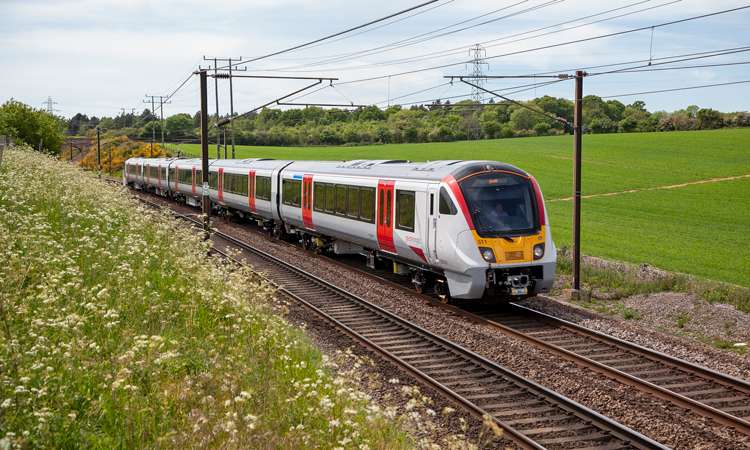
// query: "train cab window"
[[330, 198], [446, 204], [367, 204], [263, 188], [213, 180], [340, 200], [320, 197], [352, 202], [405, 210]]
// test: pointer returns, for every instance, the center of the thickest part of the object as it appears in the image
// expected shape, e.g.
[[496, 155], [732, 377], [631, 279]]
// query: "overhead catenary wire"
[[331, 36], [461, 50]]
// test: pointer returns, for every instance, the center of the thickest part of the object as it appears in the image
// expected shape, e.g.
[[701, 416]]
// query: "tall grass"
[[116, 331]]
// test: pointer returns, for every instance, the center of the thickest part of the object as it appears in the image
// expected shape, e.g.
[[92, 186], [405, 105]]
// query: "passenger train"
[[463, 229]]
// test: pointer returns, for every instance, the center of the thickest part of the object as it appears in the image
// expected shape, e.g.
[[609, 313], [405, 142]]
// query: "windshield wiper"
[[478, 218], [507, 238]]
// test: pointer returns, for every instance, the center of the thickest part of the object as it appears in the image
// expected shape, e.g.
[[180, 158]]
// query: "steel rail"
[[695, 406], [599, 420]]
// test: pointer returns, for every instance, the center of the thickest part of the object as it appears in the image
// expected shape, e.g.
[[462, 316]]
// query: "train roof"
[[380, 168]]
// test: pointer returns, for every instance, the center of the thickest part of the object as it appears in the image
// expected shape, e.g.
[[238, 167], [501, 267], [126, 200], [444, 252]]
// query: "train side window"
[[320, 196], [226, 182], [405, 210], [367, 204], [213, 180], [352, 202], [340, 200], [240, 184], [263, 188], [388, 208], [198, 178], [296, 193], [381, 210], [446, 204], [330, 198], [292, 190]]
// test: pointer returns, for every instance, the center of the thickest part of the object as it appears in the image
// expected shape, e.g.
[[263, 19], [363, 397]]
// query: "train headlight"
[[538, 251], [487, 254]]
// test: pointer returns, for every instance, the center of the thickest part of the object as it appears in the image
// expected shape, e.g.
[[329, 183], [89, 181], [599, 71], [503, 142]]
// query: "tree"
[[178, 125], [628, 125], [492, 129], [709, 119], [371, 114], [525, 119], [30, 126]]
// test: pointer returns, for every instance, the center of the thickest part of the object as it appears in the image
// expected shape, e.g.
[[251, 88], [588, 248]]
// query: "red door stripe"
[[307, 201], [221, 186], [193, 181], [251, 191]]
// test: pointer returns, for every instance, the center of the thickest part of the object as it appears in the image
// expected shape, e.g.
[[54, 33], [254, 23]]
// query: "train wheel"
[[278, 231], [441, 289], [419, 281]]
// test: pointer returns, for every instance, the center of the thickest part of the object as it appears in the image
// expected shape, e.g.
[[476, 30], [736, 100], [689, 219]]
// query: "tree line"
[[436, 122]]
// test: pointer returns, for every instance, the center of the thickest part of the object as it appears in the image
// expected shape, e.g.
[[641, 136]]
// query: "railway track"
[[724, 399], [532, 416]]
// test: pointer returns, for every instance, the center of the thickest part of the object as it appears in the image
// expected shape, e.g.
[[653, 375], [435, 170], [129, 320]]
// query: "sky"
[[103, 57]]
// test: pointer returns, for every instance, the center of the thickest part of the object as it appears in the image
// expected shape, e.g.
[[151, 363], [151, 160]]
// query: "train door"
[[385, 216], [147, 170], [251, 191], [176, 178], [307, 201], [432, 223], [159, 175], [193, 181], [221, 186]]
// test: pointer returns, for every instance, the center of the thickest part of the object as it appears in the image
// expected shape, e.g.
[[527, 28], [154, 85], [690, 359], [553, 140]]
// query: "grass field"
[[696, 229]]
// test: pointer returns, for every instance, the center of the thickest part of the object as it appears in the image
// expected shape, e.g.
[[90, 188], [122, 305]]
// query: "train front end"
[[508, 249]]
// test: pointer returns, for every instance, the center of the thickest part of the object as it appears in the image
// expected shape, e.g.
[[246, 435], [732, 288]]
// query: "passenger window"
[[330, 198], [446, 204], [352, 203], [367, 205], [320, 197], [405, 210], [341, 200], [296, 193]]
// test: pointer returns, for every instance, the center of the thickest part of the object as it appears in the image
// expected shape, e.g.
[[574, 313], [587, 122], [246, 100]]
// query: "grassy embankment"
[[698, 230], [117, 332]]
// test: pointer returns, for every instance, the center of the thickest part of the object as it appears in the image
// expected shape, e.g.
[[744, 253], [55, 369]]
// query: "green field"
[[697, 229]]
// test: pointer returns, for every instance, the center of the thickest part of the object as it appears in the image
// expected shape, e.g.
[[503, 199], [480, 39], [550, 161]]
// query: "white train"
[[465, 229]]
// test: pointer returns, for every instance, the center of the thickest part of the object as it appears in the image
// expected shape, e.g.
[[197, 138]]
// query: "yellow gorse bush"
[[114, 154]]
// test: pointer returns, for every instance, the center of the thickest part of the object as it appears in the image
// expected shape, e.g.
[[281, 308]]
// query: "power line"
[[334, 35], [677, 89]]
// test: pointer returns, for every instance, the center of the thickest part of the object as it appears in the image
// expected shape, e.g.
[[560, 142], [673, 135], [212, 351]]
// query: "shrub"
[[542, 128]]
